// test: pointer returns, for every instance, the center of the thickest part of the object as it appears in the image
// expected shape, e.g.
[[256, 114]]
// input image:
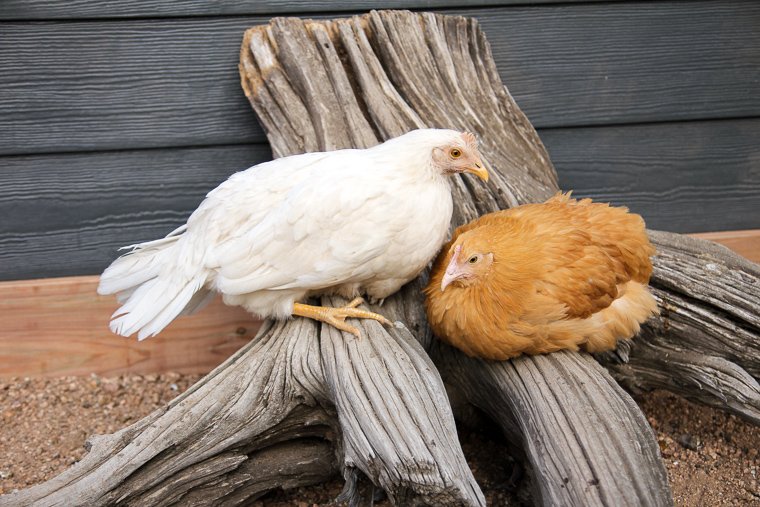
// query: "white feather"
[[171, 309], [199, 300]]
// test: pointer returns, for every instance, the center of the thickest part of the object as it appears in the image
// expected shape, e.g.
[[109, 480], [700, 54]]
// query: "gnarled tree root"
[[277, 414], [705, 344]]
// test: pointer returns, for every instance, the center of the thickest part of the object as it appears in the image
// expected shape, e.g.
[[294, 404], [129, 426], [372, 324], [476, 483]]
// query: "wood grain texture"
[[58, 327], [607, 415], [89, 9], [705, 344], [71, 86], [66, 214], [293, 386], [215, 426], [396, 425], [681, 177], [393, 79]]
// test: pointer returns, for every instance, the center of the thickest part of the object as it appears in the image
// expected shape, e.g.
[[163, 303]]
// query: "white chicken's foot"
[[336, 317]]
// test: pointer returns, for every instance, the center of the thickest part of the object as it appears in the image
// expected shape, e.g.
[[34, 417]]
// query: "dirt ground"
[[712, 458]]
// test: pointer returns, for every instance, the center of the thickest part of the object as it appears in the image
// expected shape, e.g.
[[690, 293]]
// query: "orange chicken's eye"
[[473, 259], [455, 153]]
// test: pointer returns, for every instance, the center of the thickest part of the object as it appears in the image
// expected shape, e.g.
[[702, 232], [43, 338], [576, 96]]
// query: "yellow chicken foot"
[[336, 317]]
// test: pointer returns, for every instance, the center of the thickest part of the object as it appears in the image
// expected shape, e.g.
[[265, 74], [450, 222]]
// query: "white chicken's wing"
[[314, 233]]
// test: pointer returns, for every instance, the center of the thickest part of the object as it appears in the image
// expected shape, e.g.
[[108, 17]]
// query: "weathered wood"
[[426, 70], [239, 415], [567, 65], [59, 326], [737, 393], [94, 9], [68, 214], [60, 221], [530, 398], [397, 426], [705, 345], [294, 381]]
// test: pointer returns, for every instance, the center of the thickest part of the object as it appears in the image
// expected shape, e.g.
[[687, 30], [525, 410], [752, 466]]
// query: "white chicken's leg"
[[336, 317]]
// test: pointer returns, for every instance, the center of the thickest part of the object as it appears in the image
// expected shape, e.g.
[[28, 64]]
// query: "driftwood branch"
[[392, 71], [247, 411], [539, 400], [303, 401], [277, 414], [705, 345], [409, 71]]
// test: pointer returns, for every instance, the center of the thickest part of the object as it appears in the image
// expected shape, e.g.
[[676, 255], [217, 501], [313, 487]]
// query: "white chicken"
[[344, 222]]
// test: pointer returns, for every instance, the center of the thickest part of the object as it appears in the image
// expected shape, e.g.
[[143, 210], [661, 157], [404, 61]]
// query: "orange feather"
[[542, 277]]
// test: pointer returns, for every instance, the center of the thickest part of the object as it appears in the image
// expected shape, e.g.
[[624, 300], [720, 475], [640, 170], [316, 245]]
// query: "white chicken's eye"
[[455, 153], [473, 259]]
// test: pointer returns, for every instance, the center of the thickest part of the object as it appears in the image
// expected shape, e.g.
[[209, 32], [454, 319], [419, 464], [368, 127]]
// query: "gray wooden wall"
[[116, 117]]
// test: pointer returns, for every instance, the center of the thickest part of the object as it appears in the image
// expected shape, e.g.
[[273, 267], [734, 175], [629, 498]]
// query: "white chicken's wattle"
[[344, 222]]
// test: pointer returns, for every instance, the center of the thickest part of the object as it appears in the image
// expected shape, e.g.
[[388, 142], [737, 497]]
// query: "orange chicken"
[[542, 277]]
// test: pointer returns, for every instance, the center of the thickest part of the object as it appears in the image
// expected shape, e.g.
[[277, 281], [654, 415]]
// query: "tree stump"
[[303, 400]]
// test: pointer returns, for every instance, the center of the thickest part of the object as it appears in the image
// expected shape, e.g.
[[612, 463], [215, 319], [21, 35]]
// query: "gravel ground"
[[712, 458]]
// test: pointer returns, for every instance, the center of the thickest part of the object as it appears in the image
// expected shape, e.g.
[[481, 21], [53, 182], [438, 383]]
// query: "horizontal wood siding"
[[94, 9], [684, 177], [112, 129], [66, 214], [101, 85]]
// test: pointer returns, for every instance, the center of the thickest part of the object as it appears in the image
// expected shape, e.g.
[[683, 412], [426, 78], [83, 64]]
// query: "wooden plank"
[[67, 214], [745, 243], [147, 83], [94, 9], [681, 177], [59, 326]]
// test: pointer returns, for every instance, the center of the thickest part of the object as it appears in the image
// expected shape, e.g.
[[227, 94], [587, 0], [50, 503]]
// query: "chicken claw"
[[336, 317]]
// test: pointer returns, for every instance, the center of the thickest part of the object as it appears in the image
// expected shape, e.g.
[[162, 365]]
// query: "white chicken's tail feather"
[[154, 305], [152, 288], [142, 263]]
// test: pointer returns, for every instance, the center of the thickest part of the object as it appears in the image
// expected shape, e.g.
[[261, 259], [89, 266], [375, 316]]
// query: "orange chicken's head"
[[471, 260]]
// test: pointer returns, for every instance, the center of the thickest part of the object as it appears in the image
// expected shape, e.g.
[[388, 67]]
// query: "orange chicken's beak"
[[453, 270], [478, 169]]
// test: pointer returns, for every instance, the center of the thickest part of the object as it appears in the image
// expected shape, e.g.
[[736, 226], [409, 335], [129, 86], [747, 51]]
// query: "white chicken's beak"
[[478, 169], [452, 270]]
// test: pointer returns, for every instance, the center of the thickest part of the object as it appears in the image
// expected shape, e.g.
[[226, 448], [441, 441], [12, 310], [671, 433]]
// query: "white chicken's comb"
[[470, 138]]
